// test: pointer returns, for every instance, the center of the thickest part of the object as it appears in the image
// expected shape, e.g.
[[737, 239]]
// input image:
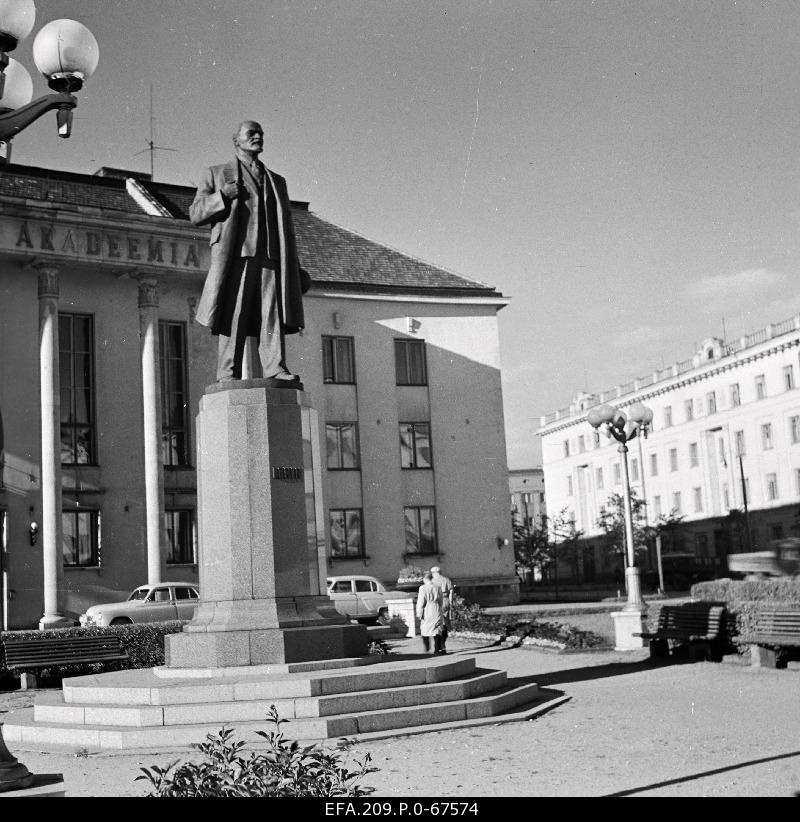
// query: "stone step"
[[143, 686], [53, 708], [20, 728]]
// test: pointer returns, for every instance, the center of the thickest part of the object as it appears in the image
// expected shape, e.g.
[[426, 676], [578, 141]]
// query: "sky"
[[626, 173]]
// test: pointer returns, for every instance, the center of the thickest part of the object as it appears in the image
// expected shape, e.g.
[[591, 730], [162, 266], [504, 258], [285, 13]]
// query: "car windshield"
[[139, 593]]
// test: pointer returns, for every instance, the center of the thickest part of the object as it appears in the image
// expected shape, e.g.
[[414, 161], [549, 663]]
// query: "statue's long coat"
[[211, 208]]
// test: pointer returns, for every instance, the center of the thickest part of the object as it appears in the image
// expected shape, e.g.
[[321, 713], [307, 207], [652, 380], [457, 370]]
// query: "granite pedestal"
[[262, 562]]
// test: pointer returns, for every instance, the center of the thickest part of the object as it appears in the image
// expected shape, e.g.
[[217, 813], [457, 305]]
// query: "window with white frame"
[[694, 455], [581, 444], [766, 436], [179, 527], [80, 538], [738, 437], [566, 448], [599, 477], [761, 387], [794, 429], [698, 500], [668, 416], [653, 465], [772, 486], [673, 459], [736, 398], [711, 402], [569, 486], [657, 506], [788, 377], [689, 408], [676, 502], [634, 470], [617, 474]]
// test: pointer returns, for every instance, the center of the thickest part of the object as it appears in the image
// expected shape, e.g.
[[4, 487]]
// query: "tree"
[[555, 539], [612, 523]]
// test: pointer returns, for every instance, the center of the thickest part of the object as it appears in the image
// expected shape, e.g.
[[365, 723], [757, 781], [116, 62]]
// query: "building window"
[[736, 399], [342, 446], [566, 448], [569, 486], [776, 531], [581, 444], [739, 439], [794, 429], [346, 540], [81, 538], [766, 436], [657, 506], [673, 459], [409, 358], [617, 474], [653, 465], [701, 542], [415, 445], [420, 530], [772, 486], [179, 526], [726, 496], [668, 416], [338, 360], [689, 406], [797, 481], [599, 475], [634, 470], [788, 378], [596, 438], [711, 400], [76, 366], [698, 500], [761, 387], [174, 394], [676, 502], [694, 457]]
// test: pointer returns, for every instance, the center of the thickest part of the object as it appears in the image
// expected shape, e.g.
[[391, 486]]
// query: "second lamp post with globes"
[[623, 428]]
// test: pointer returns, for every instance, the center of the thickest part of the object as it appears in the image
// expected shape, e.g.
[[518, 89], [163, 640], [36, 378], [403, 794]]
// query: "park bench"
[[24, 656], [700, 625], [776, 631]]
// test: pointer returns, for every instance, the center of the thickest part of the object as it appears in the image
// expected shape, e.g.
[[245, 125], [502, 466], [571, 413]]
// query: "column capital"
[[48, 280], [148, 292]]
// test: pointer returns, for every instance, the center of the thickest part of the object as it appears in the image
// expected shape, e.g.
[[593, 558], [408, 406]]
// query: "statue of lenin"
[[254, 285]]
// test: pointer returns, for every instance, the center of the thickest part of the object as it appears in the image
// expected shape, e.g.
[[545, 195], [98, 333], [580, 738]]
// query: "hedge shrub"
[[745, 599], [144, 643]]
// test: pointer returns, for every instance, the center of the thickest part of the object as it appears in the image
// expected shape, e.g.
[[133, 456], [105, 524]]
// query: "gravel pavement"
[[630, 727]]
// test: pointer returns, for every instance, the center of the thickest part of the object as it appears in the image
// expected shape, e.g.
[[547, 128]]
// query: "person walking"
[[445, 585], [430, 612]]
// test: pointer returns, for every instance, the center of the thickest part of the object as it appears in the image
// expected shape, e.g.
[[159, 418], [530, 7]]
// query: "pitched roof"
[[331, 254]]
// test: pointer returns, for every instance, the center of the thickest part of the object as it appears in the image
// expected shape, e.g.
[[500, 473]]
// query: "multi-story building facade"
[[102, 367], [526, 487], [725, 437]]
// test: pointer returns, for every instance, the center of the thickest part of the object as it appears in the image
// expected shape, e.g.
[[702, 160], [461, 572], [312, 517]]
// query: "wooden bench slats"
[[694, 622], [774, 628], [43, 653]]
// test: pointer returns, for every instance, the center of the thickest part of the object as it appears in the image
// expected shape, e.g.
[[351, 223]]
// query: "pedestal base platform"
[[237, 647]]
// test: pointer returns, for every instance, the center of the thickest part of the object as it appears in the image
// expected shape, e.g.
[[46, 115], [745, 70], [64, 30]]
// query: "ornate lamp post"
[[64, 51], [624, 428]]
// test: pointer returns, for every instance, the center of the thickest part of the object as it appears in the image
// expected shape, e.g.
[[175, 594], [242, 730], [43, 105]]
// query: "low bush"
[[745, 598], [473, 619], [144, 643], [284, 769]]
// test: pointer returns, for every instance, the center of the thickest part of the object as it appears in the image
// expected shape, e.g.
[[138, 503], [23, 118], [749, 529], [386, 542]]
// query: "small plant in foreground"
[[285, 769]]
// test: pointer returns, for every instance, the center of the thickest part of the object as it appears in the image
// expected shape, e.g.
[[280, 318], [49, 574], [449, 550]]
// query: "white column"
[[151, 406], [51, 449]]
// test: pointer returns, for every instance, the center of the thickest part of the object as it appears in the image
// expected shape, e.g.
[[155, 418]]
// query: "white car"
[[147, 603], [361, 597]]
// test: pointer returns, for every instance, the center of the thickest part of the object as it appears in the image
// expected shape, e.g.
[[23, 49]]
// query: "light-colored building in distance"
[[102, 367], [526, 487], [726, 427]]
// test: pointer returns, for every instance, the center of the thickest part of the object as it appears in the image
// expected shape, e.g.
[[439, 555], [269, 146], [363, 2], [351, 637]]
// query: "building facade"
[[102, 367], [526, 487], [723, 452]]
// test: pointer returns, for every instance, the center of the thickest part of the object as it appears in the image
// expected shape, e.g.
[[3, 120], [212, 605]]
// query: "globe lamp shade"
[[606, 412], [66, 53], [18, 88], [595, 418], [16, 22], [640, 413]]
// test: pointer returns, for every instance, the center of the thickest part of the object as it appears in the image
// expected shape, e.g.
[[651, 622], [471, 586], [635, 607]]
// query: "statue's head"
[[249, 137]]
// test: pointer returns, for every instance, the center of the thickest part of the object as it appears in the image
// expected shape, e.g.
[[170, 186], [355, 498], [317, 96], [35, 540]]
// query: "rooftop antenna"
[[724, 332], [151, 145]]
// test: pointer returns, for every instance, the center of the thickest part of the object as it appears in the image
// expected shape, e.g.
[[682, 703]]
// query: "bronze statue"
[[254, 285]]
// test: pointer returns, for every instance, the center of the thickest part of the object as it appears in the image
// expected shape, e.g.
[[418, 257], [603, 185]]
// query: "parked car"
[[361, 597], [147, 603], [782, 559]]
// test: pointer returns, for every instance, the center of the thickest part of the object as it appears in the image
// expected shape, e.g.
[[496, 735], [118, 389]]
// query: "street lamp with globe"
[[623, 428], [65, 52]]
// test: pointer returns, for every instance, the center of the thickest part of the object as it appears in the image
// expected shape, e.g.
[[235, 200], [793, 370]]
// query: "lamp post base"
[[626, 624]]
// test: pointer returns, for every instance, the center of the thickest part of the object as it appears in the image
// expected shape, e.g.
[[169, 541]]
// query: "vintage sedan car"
[[362, 598], [147, 603], [781, 560]]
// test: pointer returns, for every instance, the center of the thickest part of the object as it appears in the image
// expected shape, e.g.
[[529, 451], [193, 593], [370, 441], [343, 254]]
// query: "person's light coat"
[[430, 610]]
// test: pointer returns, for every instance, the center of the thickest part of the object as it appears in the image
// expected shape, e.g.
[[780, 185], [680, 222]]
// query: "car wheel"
[[121, 621]]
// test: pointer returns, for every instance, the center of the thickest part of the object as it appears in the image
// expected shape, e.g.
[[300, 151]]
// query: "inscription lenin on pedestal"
[[254, 285]]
